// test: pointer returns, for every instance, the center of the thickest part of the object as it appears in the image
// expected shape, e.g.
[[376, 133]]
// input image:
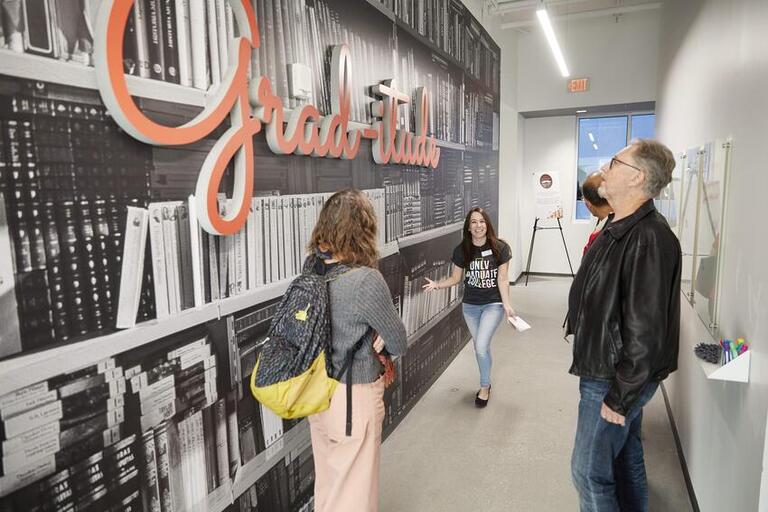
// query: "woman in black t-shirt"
[[482, 260]]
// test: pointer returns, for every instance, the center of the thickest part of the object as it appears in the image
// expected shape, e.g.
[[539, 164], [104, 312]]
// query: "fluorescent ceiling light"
[[581, 111], [552, 40], [595, 146], [591, 137]]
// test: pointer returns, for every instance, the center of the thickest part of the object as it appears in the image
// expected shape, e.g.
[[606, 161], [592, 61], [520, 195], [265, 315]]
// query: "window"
[[602, 137], [642, 126]]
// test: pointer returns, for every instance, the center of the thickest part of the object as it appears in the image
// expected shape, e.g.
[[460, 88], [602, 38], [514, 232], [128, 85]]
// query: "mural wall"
[[127, 332]]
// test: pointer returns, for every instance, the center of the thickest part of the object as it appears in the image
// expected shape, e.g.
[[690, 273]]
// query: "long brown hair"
[[347, 229], [490, 235]]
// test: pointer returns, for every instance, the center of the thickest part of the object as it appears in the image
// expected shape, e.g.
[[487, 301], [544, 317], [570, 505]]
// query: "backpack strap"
[[346, 369], [315, 264]]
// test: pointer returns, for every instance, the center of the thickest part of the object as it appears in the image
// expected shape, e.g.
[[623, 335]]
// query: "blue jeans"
[[607, 465], [482, 321]]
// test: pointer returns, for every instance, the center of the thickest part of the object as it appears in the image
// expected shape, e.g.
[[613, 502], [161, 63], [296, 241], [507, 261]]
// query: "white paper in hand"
[[518, 323]]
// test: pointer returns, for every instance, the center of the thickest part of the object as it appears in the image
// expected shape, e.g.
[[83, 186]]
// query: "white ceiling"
[[520, 14]]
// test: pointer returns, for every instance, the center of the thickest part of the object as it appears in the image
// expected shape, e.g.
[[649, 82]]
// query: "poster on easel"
[[549, 200], [549, 206]]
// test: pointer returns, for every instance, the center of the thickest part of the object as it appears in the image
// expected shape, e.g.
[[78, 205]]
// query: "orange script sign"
[[252, 106]]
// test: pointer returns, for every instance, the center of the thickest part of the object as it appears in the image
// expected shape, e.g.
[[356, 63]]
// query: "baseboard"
[[680, 454], [521, 277]]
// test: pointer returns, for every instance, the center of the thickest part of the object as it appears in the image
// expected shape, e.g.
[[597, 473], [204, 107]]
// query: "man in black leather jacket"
[[625, 317]]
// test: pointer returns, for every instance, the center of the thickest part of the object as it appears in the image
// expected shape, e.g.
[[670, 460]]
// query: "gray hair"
[[657, 161]]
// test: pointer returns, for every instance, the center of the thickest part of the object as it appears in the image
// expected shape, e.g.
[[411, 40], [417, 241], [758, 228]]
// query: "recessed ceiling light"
[[591, 137], [595, 146], [581, 111]]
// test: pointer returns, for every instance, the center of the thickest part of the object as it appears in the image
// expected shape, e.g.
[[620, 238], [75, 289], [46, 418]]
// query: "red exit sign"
[[578, 85]]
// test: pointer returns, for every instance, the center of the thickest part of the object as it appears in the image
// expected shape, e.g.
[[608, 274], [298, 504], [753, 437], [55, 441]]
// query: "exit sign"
[[578, 85]]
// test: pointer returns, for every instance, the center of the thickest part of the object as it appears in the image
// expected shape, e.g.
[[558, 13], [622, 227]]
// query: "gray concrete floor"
[[514, 455]]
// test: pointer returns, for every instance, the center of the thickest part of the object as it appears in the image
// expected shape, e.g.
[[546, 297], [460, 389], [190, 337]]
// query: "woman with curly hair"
[[347, 466]]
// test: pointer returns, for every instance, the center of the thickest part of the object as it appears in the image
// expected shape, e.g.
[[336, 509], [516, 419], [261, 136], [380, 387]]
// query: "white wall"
[[512, 192], [713, 71], [510, 155], [550, 145], [510, 136], [619, 58]]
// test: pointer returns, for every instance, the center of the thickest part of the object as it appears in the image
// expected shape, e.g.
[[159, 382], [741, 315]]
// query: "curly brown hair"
[[347, 229]]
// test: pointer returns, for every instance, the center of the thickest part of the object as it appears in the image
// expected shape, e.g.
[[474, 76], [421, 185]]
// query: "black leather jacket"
[[624, 306]]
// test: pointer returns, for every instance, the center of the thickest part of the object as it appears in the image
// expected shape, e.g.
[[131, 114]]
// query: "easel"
[[536, 228]]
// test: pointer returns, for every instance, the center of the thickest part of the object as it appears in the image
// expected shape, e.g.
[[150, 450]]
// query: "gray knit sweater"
[[360, 300]]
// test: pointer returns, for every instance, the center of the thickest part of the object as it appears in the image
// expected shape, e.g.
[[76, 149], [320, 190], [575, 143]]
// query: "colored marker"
[[734, 351]]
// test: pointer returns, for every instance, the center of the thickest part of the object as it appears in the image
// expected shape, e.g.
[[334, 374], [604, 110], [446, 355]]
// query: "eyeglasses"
[[614, 159]]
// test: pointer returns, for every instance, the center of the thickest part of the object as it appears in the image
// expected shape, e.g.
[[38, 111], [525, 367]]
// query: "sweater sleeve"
[[375, 308]]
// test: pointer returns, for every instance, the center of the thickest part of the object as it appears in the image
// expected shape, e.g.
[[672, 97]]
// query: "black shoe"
[[479, 402]]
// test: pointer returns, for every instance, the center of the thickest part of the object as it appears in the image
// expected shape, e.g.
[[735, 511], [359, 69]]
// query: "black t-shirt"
[[481, 284]]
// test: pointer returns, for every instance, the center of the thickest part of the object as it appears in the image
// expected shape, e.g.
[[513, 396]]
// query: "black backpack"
[[293, 374]]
